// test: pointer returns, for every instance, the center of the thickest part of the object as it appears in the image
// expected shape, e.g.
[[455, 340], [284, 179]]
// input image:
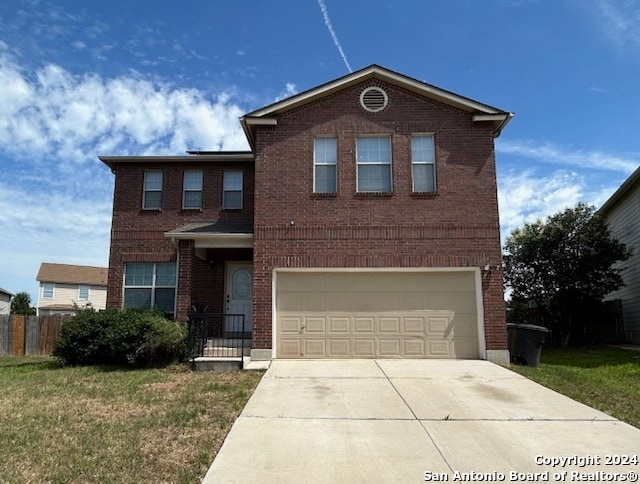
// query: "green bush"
[[127, 337]]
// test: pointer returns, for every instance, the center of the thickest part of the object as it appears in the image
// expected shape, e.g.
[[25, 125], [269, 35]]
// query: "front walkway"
[[353, 421]]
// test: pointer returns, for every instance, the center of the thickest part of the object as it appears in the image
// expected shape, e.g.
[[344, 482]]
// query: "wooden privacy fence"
[[29, 335]]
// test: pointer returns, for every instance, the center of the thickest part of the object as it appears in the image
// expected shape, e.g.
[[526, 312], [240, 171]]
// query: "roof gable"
[[621, 192], [268, 114], [72, 274]]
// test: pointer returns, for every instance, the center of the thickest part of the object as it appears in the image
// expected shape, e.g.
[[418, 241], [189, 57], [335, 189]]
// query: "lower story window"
[[150, 285]]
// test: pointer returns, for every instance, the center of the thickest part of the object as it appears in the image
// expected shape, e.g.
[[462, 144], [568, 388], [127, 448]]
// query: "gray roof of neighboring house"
[[4, 291], [626, 186], [220, 226], [72, 274]]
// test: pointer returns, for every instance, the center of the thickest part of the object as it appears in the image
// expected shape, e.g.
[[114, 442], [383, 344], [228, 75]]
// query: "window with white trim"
[[152, 196], [192, 190], [150, 285], [83, 292], [423, 163], [232, 189], [47, 290], [373, 164], [324, 165]]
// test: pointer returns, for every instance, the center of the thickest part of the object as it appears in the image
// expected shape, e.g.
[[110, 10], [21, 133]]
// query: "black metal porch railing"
[[216, 335]]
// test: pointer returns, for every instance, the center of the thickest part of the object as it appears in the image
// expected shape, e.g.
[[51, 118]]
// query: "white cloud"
[[620, 20], [58, 114], [550, 153], [55, 195], [290, 89], [525, 197]]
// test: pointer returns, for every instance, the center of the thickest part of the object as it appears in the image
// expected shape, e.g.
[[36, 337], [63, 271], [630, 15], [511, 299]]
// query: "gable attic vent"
[[373, 99]]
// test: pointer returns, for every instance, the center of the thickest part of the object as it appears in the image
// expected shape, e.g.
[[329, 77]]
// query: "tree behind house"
[[564, 266], [21, 304]]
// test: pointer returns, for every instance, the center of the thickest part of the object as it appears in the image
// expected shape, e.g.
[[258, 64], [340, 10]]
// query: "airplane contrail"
[[327, 22]]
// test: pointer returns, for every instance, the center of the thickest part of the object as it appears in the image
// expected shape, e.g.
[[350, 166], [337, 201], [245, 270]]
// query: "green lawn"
[[91, 424], [602, 377]]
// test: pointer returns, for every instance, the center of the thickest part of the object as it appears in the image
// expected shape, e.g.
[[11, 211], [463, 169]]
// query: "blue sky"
[[82, 79]]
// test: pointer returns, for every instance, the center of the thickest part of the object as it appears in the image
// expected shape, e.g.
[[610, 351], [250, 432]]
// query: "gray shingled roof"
[[220, 226]]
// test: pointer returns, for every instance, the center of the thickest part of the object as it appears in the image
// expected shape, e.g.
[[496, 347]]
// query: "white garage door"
[[376, 315]]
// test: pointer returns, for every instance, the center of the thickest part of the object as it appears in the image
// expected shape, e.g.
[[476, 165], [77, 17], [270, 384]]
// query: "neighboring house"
[[363, 222], [622, 212], [5, 301], [65, 288]]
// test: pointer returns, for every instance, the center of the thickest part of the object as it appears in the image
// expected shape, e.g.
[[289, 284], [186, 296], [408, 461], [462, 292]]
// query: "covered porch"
[[214, 284]]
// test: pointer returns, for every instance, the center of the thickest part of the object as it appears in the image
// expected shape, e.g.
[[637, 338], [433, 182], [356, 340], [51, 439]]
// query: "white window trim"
[[433, 163], [53, 290], [185, 190], [334, 164], [145, 190], [390, 163], [80, 298]]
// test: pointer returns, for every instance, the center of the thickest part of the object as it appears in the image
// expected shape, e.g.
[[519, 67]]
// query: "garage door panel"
[[414, 324], [339, 348], [339, 324], [364, 347], [439, 348], [290, 348], [390, 346], [315, 324], [291, 324], [364, 324], [384, 314], [414, 347], [315, 348], [389, 324]]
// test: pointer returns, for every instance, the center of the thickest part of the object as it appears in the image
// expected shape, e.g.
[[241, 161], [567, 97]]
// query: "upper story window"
[[192, 190], [232, 189], [373, 157], [47, 290], [83, 292], [423, 163], [324, 165], [152, 197]]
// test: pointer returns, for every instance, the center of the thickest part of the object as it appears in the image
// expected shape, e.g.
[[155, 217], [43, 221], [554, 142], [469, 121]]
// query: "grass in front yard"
[[93, 424], [604, 377]]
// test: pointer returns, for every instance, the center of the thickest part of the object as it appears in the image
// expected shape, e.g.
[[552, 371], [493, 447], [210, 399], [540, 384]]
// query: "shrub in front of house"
[[122, 337]]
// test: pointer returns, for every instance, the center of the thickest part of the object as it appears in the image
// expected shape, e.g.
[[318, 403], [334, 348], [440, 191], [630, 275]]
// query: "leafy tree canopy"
[[21, 304], [566, 266], [567, 258]]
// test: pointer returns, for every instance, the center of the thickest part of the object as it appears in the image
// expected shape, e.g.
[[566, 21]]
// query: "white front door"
[[238, 299]]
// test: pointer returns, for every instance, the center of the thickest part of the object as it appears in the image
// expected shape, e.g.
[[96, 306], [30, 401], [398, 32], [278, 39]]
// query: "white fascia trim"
[[214, 241], [260, 121], [417, 86], [490, 117]]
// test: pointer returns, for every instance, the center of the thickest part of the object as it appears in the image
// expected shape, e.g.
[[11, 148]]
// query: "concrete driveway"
[[352, 421]]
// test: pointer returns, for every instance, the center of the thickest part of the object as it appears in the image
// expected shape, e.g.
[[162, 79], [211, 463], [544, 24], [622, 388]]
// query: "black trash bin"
[[525, 343]]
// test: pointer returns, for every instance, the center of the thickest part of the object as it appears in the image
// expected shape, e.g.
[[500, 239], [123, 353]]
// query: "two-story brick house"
[[363, 222]]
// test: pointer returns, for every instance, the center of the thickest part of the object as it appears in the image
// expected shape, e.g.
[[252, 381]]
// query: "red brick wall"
[[456, 227], [138, 235]]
